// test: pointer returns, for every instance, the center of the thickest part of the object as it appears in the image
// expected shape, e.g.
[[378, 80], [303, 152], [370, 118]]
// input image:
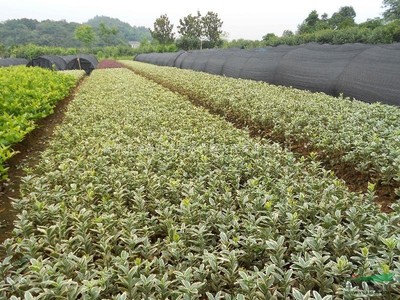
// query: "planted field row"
[[26, 95], [142, 196], [342, 131], [77, 74], [109, 63]]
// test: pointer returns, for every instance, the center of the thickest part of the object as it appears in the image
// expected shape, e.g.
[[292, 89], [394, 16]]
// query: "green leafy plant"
[[141, 195], [341, 130], [26, 95]]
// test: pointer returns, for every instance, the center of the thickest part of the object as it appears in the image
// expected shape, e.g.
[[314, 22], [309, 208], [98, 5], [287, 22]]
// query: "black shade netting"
[[52, 62], [373, 75], [8, 62], [84, 62], [369, 73]]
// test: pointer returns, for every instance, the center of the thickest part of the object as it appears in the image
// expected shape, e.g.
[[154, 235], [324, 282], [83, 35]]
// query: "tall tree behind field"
[[85, 34], [212, 28], [344, 18], [195, 29], [309, 24], [162, 31], [191, 32], [107, 35], [191, 26]]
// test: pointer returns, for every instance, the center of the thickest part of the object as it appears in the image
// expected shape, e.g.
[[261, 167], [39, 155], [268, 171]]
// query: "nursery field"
[[142, 195], [360, 141]]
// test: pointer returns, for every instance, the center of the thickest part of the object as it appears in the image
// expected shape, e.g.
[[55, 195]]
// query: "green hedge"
[[26, 95]]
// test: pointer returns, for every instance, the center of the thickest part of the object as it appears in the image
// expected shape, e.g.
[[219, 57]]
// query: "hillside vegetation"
[[62, 33]]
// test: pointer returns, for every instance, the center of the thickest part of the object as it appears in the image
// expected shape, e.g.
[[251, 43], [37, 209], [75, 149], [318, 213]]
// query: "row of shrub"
[[385, 34], [27, 95]]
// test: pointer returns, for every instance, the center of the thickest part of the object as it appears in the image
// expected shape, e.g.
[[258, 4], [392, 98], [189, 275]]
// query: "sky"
[[242, 19]]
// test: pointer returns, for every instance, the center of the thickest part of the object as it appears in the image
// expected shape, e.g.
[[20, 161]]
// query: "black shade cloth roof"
[[52, 62], [81, 62], [68, 62], [369, 73], [6, 62]]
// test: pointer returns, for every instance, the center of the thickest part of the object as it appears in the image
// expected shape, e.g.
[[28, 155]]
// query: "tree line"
[[196, 31], [103, 31], [340, 28]]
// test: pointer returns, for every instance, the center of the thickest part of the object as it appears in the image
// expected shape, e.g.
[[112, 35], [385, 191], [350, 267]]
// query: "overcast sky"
[[242, 19]]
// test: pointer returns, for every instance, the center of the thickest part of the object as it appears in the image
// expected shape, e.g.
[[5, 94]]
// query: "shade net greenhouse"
[[160, 59], [52, 62], [68, 58], [373, 74], [81, 62], [316, 67], [8, 62], [369, 73], [69, 62]]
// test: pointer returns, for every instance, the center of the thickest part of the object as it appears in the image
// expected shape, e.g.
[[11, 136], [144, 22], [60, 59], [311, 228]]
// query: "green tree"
[[3, 50], [372, 23], [309, 24], [344, 18], [270, 38], [312, 19], [162, 31], [125, 32], [107, 34], [14, 32], [50, 33], [212, 29], [392, 11], [188, 43], [29, 23], [324, 17], [323, 22], [191, 26], [62, 33], [85, 34], [191, 31], [287, 33]]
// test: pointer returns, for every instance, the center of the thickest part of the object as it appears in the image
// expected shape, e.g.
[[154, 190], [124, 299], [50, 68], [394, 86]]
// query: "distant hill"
[[125, 31], [61, 33]]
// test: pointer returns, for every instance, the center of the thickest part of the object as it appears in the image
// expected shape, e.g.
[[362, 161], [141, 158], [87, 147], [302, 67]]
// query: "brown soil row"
[[28, 155], [355, 180]]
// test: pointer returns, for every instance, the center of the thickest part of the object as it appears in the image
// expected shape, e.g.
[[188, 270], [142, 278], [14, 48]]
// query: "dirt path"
[[28, 155]]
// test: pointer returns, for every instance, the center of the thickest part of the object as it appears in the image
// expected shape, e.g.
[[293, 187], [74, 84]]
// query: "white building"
[[134, 44]]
